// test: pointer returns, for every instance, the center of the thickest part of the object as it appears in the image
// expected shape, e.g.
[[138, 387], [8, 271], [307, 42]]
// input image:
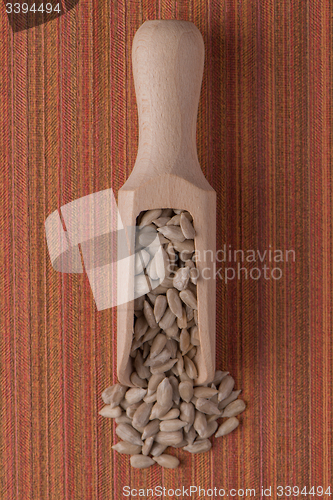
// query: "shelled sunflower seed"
[[165, 407]]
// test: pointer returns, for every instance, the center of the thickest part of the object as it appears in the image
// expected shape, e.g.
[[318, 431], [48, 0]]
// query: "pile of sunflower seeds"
[[165, 407]]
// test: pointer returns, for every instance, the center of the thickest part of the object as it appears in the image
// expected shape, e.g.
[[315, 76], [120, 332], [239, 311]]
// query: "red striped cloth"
[[68, 128]]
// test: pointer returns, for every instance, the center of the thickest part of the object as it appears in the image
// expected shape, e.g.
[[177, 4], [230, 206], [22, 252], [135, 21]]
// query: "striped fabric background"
[[69, 128]]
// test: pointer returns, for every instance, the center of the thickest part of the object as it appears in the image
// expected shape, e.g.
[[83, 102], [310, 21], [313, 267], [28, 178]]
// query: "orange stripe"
[[104, 322], [21, 268], [248, 370], [120, 473], [7, 432], [326, 44], [267, 237], [37, 215], [71, 171], [54, 424]]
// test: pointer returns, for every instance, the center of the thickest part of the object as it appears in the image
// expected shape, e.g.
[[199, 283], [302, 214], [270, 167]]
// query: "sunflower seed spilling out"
[[141, 461], [199, 446], [167, 461], [233, 409], [165, 408], [228, 426], [147, 445], [127, 448]]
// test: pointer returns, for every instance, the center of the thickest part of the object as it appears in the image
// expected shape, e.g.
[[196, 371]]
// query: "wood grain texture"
[[69, 127], [168, 58]]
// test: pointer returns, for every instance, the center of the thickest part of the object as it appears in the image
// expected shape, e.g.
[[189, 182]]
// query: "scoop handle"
[[168, 59]]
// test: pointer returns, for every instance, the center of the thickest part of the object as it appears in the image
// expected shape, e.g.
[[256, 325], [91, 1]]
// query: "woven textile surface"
[[69, 128]]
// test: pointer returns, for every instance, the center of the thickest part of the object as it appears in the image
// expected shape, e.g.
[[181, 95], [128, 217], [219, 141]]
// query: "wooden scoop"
[[168, 58]]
